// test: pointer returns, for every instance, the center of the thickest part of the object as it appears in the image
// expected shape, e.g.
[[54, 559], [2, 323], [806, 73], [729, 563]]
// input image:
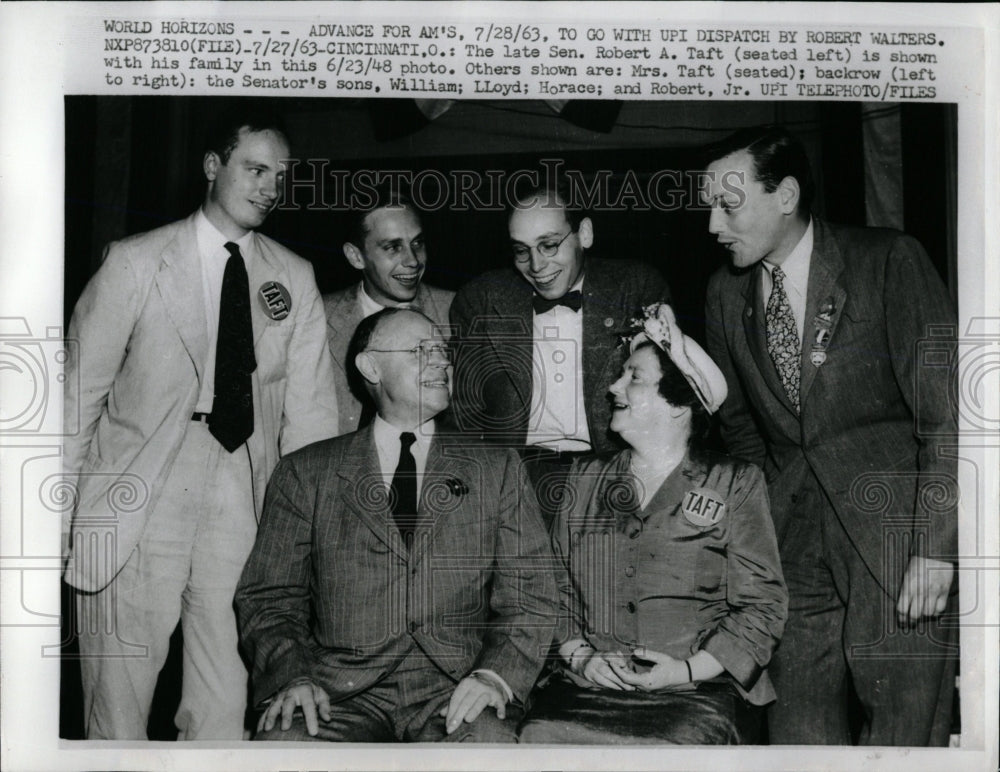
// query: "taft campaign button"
[[703, 507], [275, 300]]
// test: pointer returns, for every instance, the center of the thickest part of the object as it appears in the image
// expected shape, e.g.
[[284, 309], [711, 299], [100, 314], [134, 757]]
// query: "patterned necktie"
[[572, 300], [404, 488], [231, 421], [783, 337]]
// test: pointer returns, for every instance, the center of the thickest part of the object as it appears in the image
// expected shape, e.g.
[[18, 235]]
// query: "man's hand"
[[604, 668], [924, 590], [301, 692], [470, 697]]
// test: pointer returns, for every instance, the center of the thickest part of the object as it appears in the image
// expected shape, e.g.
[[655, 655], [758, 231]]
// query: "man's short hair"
[[385, 196], [359, 342], [224, 131], [776, 154], [549, 194]]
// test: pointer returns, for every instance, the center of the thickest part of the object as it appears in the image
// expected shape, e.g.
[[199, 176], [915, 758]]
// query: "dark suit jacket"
[[492, 316], [330, 592], [874, 415], [343, 313]]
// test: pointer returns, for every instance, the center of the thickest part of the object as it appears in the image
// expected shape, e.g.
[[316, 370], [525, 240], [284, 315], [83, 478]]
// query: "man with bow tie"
[[538, 344], [399, 589], [817, 328]]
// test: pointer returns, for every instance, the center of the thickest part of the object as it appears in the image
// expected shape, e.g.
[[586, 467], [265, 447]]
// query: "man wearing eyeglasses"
[[398, 590], [386, 243], [538, 345]]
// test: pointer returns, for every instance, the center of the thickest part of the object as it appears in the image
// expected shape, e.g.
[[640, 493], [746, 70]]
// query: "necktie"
[[231, 421], [783, 337], [572, 300], [404, 488]]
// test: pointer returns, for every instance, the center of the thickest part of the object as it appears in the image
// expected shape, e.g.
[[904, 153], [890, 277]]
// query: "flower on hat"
[[659, 326]]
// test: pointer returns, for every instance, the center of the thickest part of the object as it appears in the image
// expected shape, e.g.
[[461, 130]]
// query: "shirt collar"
[[371, 306], [387, 435], [212, 242], [796, 265]]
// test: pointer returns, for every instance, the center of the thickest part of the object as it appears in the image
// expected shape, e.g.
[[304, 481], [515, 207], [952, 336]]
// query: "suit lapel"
[[599, 325], [755, 329], [264, 267], [365, 492], [344, 317], [824, 290], [180, 284], [443, 470], [512, 338]]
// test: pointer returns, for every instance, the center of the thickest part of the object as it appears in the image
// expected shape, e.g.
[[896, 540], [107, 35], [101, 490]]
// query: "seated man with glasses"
[[399, 589], [538, 344]]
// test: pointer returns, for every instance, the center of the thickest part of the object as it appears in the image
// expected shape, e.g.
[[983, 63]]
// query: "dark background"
[[134, 163]]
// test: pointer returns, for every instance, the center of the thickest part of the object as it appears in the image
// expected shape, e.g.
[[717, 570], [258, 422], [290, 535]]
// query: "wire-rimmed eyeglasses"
[[423, 350], [547, 248]]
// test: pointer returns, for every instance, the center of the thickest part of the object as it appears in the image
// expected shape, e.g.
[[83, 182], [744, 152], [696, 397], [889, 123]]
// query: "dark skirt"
[[710, 713]]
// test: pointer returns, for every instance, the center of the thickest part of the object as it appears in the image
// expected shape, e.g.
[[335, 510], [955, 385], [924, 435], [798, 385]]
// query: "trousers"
[[841, 632], [185, 567]]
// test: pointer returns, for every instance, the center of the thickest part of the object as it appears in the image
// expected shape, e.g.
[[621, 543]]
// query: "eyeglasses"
[[522, 252], [423, 350]]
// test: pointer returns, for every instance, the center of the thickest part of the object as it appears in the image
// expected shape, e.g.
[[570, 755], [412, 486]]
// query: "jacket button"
[[630, 571], [412, 627], [631, 607]]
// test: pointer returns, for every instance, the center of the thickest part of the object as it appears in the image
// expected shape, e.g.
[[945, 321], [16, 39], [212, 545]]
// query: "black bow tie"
[[572, 300]]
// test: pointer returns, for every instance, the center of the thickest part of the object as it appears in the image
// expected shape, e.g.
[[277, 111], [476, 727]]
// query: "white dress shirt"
[[558, 418], [796, 270], [213, 255]]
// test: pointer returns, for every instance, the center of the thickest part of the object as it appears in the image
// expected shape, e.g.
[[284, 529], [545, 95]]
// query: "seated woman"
[[673, 596]]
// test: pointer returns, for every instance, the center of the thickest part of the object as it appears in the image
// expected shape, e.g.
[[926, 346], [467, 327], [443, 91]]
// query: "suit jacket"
[[875, 414], [330, 591], [667, 577], [492, 316], [343, 313], [142, 334]]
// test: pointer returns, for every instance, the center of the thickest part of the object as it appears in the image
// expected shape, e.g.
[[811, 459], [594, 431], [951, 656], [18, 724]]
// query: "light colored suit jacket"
[[343, 313], [876, 415], [142, 334], [331, 592], [492, 316]]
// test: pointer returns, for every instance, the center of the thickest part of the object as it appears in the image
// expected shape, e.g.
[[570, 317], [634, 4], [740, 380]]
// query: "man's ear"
[[354, 256], [210, 165], [788, 195], [585, 233], [368, 367]]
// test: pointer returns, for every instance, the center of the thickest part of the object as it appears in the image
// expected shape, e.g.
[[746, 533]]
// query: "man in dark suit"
[[382, 619], [817, 328], [386, 243], [538, 345]]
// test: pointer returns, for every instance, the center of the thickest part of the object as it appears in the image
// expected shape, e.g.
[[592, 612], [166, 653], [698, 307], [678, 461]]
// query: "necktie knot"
[[234, 249], [778, 276], [572, 300], [406, 440]]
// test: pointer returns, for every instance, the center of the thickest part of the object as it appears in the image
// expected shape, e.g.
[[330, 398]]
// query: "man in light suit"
[[399, 589], [818, 329], [202, 359], [386, 243], [538, 343]]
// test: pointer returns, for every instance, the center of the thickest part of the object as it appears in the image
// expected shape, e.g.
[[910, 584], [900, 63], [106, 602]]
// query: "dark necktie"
[[404, 488], [231, 421], [783, 337], [572, 300]]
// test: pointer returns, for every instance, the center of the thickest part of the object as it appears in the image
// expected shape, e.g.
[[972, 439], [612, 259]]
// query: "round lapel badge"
[[275, 300], [703, 507]]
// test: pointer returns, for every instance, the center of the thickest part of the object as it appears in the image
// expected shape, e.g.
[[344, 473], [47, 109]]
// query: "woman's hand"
[[666, 672], [604, 669]]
